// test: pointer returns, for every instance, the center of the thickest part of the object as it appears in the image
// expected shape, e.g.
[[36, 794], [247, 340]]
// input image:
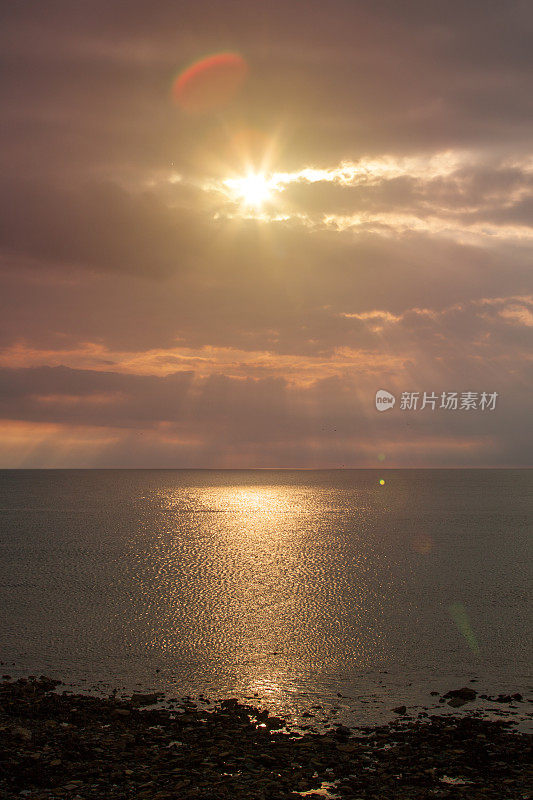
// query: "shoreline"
[[58, 745], [367, 699]]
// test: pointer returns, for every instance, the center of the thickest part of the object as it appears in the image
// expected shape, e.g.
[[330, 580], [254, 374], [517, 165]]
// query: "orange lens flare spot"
[[211, 83], [422, 543]]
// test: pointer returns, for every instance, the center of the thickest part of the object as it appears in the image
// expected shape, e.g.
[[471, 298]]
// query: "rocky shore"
[[58, 745]]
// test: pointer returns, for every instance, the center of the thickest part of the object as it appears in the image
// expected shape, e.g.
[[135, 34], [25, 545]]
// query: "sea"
[[337, 593]]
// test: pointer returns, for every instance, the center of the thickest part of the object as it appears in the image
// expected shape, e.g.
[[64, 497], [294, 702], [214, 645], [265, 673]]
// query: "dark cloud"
[[99, 226]]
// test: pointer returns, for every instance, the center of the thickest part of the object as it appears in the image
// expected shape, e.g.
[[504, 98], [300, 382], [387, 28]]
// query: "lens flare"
[[422, 543], [382, 482], [210, 83], [460, 617]]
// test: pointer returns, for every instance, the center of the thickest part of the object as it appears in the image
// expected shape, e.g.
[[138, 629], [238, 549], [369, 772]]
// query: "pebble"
[[221, 753]]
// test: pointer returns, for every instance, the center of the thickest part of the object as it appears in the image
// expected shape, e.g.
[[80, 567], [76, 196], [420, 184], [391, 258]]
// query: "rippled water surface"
[[291, 584]]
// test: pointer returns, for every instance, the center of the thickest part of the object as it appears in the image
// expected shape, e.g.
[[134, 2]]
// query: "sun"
[[252, 190]]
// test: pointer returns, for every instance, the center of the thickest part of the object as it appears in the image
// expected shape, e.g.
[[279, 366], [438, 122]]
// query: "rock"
[[342, 731], [146, 699], [457, 702], [23, 733], [465, 694], [517, 696], [266, 759], [275, 722], [399, 709], [230, 702]]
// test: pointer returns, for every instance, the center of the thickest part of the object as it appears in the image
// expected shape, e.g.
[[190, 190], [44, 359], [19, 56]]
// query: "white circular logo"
[[384, 400]]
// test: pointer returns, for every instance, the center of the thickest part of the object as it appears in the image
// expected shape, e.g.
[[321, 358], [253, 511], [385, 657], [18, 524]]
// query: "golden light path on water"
[[241, 577]]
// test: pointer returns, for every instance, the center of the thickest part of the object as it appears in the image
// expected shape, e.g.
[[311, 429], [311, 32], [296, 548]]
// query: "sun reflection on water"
[[270, 502], [265, 500], [260, 583]]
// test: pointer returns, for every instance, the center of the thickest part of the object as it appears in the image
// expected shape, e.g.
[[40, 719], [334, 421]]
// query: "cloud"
[[233, 408], [99, 226], [460, 195], [229, 422], [148, 319]]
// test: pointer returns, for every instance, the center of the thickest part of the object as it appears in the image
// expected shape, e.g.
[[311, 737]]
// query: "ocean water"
[[300, 587]]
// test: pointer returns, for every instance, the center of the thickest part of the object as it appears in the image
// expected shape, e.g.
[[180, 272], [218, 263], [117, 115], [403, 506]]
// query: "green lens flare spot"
[[460, 617]]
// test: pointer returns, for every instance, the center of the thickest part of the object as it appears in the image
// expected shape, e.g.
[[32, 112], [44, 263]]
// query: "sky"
[[218, 262]]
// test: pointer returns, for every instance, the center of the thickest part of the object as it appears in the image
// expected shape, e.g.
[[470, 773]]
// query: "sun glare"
[[252, 190]]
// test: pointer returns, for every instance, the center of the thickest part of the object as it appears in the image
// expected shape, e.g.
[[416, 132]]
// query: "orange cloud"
[[205, 361]]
